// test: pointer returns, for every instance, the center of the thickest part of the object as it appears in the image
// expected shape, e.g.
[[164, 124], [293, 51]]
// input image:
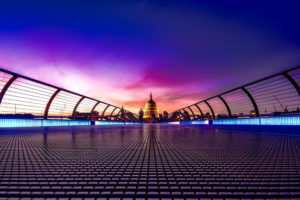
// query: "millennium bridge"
[[240, 144]]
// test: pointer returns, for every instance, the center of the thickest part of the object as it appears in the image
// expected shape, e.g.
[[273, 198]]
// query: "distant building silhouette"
[[141, 115], [160, 117], [123, 115], [165, 116]]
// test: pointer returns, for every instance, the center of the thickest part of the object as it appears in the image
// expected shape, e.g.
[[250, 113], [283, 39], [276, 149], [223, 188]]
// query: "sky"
[[119, 51]]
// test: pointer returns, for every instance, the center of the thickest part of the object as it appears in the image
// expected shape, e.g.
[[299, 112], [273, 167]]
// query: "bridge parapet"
[[275, 95], [31, 98]]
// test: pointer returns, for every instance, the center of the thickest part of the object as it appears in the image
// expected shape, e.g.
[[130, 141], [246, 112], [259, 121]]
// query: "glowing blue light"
[[108, 123], [291, 121], [238, 121], [170, 123], [283, 121], [132, 123], [5, 123], [195, 122], [113, 123]]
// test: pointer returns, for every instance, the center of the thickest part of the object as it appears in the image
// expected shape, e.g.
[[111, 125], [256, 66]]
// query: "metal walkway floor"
[[150, 161]]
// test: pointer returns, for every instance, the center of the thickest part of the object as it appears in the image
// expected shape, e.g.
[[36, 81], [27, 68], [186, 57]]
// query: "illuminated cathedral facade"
[[151, 113]]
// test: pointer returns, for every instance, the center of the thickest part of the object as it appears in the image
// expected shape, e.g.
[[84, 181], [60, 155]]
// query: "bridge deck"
[[158, 161]]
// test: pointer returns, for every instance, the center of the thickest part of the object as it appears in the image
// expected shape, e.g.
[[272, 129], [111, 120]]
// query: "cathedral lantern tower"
[[151, 113]]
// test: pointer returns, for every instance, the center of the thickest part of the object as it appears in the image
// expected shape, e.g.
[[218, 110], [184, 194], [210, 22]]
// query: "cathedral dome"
[[151, 109]]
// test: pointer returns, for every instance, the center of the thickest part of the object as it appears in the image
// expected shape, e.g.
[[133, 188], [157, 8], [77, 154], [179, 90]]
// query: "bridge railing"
[[275, 95], [24, 97]]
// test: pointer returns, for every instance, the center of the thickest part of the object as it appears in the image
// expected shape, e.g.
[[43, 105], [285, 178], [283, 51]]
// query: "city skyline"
[[181, 51]]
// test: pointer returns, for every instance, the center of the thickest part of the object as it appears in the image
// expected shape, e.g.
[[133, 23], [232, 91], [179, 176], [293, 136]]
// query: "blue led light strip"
[[195, 122], [5, 123], [108, 123], [282, 121]]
